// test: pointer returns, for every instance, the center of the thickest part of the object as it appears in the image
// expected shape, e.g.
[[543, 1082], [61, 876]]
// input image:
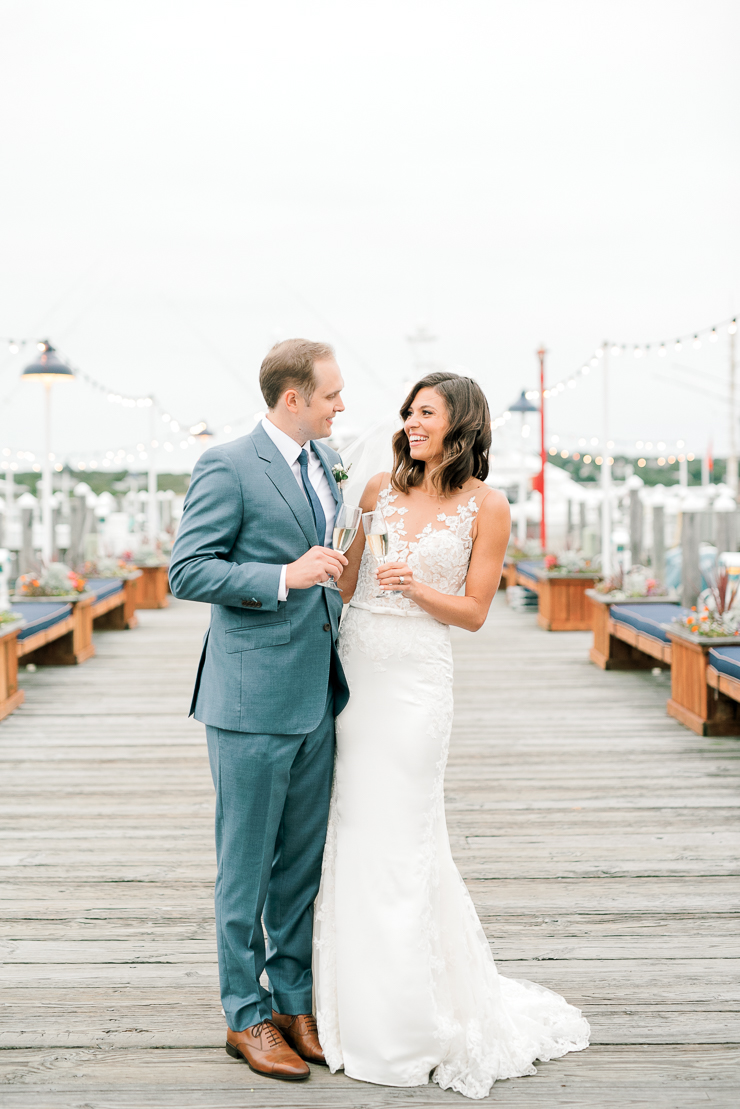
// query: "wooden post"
[[25, 555], [722, 522], [659, 543], [690, 572], [635, 526], [581, 523]]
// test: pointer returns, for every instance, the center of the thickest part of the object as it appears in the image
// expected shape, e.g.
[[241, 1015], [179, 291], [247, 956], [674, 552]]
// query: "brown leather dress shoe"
[[302, 1035], [265, 1052]]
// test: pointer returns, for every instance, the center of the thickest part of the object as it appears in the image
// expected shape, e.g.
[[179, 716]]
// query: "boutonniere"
[[339, 473]]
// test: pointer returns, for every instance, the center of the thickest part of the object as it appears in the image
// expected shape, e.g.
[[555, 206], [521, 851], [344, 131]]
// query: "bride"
[[405, 981]]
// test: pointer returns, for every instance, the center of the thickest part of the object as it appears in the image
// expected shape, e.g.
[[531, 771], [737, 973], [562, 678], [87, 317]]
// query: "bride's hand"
[[398, 577]]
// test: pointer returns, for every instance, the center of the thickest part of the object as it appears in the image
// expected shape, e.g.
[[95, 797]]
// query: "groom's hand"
[[314, 566]]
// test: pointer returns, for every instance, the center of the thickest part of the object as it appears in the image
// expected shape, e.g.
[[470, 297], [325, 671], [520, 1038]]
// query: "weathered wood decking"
[[598, 838]]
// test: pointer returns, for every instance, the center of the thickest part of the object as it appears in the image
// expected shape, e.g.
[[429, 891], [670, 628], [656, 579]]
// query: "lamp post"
[[522, 405], [152, 483], [538, 483], [606, 473], [47, 369]]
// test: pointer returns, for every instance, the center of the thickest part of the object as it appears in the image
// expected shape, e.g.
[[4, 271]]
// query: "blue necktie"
[[319, 518]]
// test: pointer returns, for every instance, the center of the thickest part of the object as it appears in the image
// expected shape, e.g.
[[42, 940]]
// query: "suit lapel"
[[283, 478], [336, 492]]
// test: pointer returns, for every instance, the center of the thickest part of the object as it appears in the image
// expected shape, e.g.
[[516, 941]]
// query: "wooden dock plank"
[[598, 839]]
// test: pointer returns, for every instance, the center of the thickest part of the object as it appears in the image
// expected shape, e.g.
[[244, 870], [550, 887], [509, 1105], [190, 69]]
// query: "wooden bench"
[[151, 589], [57, 632], [630, 644], [114, 607], [698, 669], [10, 695], [563, 606]]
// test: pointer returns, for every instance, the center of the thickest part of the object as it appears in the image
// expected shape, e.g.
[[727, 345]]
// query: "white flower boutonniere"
[[339, 473]]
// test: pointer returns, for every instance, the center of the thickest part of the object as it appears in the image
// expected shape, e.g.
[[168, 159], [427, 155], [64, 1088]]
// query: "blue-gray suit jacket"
[[266, 664]]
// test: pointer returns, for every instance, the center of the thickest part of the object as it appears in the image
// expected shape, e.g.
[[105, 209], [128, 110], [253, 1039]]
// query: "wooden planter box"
[[10, 695], [563, 605], [691, 703], [619, 647], [117, 612], [67, 643], [152, 587]]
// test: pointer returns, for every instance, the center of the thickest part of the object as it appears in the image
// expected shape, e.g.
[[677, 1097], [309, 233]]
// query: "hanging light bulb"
[[662, 351], [677, 345], [732, 328], [713, 335], [697, 342], [13, 347]]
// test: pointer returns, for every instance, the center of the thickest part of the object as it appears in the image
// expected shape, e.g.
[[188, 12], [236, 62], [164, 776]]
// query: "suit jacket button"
[[327, 627]]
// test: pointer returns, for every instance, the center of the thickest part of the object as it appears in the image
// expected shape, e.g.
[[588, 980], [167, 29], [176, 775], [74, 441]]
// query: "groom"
[[254, 541]]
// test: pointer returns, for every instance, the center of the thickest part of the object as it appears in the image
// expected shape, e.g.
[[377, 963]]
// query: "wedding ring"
[[400, 580]]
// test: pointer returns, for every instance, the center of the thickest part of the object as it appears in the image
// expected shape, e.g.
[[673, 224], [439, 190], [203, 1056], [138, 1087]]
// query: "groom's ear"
[[290, 399]]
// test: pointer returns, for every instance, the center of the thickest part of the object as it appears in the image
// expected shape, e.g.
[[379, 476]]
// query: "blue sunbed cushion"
[[104, 587], [726, 660], [39, 617], [528, 567], [646, 618]]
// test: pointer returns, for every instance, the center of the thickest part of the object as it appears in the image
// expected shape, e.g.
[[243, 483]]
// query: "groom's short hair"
[[289, 365]]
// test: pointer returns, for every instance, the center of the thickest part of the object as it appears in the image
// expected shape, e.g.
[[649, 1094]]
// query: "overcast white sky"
[[185, 182]]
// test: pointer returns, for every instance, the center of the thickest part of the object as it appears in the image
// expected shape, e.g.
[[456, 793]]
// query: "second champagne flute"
[[378, 539]]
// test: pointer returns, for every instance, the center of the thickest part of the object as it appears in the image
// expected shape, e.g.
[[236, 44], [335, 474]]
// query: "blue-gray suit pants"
[[272, 806]]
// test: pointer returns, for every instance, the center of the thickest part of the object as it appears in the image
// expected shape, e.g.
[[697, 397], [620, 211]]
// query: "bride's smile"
[[426, 425]]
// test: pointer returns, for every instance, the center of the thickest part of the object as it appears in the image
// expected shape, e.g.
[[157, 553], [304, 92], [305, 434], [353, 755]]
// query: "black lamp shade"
[[48, 365], [523, 404]]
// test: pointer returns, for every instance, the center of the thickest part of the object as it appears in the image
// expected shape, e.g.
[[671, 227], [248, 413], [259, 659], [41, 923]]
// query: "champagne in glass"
[[378, 538], [378, 543], [346, 523]]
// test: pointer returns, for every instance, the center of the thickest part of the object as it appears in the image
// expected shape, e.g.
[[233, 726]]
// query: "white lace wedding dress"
[[404, 978]]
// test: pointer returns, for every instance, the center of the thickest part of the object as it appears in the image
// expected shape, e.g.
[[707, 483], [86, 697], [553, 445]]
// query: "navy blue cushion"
[[528, 568], [104, 587], [646, 618], [726, 660], [39, 616]]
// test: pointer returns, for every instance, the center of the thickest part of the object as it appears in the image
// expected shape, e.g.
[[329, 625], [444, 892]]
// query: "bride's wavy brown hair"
[[466, 442]]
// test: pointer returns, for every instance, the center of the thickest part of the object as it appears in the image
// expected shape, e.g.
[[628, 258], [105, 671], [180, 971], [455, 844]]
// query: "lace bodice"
[[438, 555]]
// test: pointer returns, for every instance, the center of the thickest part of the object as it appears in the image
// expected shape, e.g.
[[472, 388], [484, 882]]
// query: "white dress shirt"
[[290, 451]]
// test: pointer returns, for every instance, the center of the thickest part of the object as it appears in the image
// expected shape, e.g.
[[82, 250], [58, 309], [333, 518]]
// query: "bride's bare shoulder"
[[492, 503], [372, 490]]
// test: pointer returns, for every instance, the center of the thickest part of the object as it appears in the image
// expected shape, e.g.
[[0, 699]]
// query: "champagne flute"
[[378, 538], [346, 523]]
